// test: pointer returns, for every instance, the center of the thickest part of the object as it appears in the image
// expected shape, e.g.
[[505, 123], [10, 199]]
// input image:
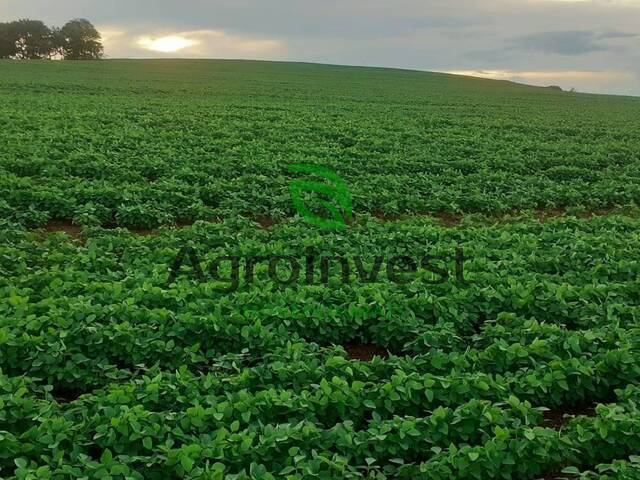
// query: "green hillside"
[[170, 310], [145, 143]]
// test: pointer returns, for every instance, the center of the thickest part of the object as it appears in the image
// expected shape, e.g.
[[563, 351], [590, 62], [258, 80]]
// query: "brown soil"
[[452, 220], [187, 223], [559, 418], [65, 226], [446, 219], [544, 215], [387, 217], [449, 219], [598, 213], [265, 221], [365, 352], [144, 232]]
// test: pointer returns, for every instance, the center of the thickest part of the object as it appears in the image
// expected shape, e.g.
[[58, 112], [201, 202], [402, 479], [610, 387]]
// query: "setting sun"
[[171, 43]]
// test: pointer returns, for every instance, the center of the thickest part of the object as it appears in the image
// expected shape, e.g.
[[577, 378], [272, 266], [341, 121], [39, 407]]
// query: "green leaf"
[[106, 456], [187, 463], [571, 470]]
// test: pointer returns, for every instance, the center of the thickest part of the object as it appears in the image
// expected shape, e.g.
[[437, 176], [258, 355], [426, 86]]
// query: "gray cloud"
[[575, 42], [616, 34]]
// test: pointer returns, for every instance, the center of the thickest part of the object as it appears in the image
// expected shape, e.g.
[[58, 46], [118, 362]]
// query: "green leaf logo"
[[332, 194]]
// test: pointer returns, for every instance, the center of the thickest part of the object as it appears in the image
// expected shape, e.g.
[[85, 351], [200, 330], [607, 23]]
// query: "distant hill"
[[149, 142]]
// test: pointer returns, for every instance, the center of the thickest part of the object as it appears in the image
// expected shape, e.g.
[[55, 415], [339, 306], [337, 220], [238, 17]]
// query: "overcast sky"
[[592, 45]]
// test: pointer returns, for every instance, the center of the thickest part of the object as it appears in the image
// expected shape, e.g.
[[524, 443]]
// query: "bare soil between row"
[[447, 220]]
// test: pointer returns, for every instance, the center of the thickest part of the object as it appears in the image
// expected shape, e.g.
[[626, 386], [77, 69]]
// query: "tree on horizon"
[[25, 39], [78, 39]]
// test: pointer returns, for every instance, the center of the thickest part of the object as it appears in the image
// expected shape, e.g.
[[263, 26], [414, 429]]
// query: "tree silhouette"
[[25, 39], [79, 40], [8, 40], [32, 39]]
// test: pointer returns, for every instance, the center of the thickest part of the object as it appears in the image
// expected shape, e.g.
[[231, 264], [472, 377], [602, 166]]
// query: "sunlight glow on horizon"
[[168, 44], [542, 75]]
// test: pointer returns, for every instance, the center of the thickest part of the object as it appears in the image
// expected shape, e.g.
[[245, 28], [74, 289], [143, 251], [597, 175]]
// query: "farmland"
[[524, 367]]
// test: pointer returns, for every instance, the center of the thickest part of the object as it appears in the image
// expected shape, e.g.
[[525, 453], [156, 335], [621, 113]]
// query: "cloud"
[[109, 35], [625, 3], [617, 34], [544, 75], [222, 41], [572, 42], [192, 44]]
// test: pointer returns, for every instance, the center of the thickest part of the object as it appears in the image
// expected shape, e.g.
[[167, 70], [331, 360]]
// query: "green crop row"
[[110, 371], [476, 440], [86, 314], [134, 145]]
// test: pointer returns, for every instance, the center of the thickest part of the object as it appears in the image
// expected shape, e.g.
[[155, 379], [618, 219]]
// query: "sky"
[[589, 45]]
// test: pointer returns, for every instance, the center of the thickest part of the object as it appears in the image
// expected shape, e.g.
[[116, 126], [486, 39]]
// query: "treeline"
[[31, 39]]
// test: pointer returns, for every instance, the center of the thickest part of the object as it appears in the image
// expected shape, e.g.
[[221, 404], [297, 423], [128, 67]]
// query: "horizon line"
[[343, 65]]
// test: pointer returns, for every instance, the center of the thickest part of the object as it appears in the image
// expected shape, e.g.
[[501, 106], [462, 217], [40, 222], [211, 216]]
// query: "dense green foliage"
[[109, 371], [140, 144]]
